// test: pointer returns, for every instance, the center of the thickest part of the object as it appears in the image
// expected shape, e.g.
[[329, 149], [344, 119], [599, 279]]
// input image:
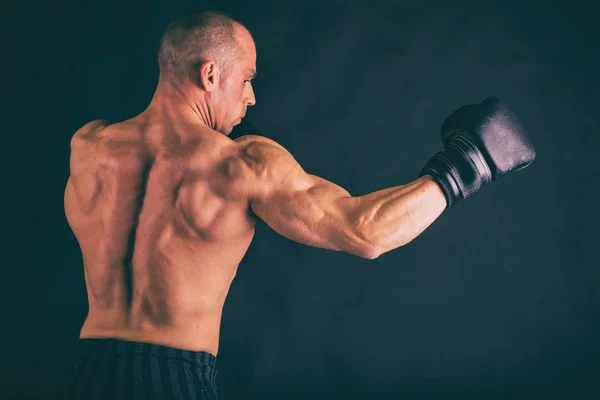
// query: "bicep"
[[304, 207]]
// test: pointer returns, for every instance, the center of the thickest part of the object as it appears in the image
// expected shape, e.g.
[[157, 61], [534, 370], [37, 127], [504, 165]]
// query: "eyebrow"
[[251, 72]]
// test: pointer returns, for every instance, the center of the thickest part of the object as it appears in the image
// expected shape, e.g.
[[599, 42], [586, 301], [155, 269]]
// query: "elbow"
[[361, 248], [371, 253], [368, 249], [370, 240], [372, 246]]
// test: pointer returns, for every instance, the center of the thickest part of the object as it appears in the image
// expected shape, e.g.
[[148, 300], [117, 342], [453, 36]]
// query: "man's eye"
[[248, 81]]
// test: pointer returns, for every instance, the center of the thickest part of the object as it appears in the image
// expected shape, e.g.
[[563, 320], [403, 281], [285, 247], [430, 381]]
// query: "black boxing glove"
[[483, 142]]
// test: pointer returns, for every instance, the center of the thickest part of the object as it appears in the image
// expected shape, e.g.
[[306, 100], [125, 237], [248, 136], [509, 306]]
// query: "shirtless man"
[[164, 207]]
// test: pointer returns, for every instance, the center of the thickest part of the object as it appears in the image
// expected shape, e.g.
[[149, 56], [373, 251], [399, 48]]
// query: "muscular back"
[[162, 225]]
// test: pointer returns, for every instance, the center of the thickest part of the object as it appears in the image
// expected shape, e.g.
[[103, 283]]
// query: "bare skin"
[[164, 208]]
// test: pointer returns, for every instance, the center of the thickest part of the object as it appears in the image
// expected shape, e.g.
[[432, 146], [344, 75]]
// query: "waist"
[[140, 349], [197, 334]]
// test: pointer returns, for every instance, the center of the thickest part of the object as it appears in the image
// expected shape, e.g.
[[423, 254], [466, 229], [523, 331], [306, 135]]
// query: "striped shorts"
[[118, 369]]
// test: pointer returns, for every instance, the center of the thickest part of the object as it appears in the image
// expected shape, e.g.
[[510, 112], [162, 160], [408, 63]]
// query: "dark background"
[[498, 299]]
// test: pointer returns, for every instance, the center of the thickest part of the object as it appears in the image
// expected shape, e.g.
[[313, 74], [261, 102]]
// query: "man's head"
[[209, 51]]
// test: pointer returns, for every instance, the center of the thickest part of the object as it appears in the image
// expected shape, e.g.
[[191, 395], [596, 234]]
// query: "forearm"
[[393, 217]]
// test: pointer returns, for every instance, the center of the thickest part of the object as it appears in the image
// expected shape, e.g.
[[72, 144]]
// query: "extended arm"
[[482, 143], [316, 212]]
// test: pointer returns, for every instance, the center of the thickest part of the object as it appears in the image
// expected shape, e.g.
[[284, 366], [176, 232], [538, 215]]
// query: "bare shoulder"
[[88, 130], [273, 168], [260, 145], [85, 140], [260, 152]]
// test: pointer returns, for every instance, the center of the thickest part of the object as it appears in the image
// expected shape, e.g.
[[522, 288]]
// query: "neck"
[[179, 102]]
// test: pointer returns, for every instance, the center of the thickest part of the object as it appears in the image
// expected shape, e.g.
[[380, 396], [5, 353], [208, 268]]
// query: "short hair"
[[197, 35]]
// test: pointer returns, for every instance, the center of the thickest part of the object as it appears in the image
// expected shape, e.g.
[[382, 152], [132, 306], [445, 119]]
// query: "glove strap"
[[459, 169]]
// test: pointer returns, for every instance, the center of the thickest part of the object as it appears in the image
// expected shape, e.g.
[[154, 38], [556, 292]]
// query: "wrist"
[[437, 174]]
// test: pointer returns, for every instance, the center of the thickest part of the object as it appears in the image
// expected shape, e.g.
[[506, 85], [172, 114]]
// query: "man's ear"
[[207, 75]]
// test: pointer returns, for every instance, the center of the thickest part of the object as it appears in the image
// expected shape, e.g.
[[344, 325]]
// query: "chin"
[[231, 127], [225, 130]]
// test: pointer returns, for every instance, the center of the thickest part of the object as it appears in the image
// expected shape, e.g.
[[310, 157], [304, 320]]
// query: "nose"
[[251, 98]]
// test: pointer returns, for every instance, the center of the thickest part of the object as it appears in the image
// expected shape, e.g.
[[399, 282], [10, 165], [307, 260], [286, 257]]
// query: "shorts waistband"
[[125, 348]]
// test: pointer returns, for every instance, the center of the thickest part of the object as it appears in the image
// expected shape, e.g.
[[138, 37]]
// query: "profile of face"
[[234, 92]]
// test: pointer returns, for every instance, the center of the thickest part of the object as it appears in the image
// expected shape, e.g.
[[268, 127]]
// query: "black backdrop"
[[499, 298]]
